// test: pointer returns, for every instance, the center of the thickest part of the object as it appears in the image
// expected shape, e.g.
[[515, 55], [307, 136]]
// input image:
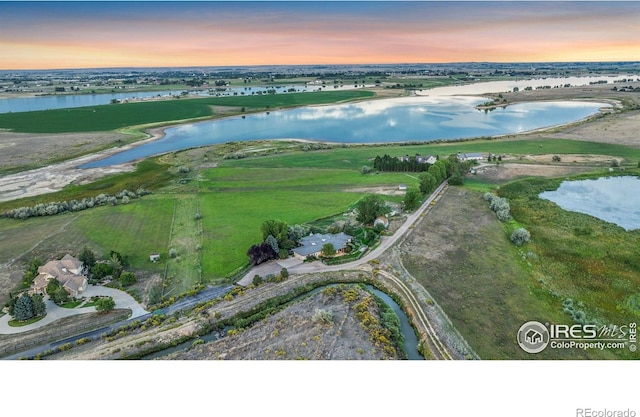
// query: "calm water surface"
[[378, 121], [612, 199]]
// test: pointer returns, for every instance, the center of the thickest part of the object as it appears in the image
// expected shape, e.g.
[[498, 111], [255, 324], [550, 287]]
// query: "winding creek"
[[410, 338]]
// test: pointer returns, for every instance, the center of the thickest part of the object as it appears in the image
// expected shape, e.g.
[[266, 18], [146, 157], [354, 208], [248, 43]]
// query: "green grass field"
[[354, 157], [235, 202], [135, 230], [593, 262], [117, 116]]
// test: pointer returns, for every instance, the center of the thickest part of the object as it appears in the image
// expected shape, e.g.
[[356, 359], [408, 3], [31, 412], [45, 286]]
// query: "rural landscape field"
[[282, 181]]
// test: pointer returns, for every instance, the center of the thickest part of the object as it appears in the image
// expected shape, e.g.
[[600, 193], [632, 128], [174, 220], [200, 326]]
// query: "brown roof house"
[[69, 271]]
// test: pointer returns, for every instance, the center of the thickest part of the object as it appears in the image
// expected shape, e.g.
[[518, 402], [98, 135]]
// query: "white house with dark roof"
[[470, 156], [312, 245], [69, 271]]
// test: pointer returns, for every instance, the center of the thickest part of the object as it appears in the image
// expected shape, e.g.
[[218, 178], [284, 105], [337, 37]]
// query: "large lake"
[[378, 121], [612, 199]]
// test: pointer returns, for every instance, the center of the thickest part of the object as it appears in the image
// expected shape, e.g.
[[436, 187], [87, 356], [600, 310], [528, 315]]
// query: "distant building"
[[470, 156], [312, 245], [429, 159]]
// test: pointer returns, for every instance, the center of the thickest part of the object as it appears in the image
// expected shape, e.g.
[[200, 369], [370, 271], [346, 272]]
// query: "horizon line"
[[319, 64]]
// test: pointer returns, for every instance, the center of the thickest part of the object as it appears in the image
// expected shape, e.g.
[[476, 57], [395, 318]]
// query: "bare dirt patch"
[[620, 129], [294, 334], [509, 171], [376, 190], [27, 149]]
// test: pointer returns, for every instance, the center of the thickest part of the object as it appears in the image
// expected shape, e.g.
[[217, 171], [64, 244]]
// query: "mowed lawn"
[[232, 220], [135, 230]]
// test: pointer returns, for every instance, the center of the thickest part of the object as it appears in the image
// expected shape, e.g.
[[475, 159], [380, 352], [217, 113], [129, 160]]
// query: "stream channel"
[[410, 338]]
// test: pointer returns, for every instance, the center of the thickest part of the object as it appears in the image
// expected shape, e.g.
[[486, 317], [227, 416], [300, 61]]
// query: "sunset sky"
[[47, 35]]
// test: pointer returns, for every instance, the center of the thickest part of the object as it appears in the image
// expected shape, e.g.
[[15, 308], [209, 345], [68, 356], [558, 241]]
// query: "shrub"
[[183, 169], [173, 253], [503, 215], [257, 280], [520, 236], [127, 278], [615, 163], [489, 197], [556, 158], [323, 316]]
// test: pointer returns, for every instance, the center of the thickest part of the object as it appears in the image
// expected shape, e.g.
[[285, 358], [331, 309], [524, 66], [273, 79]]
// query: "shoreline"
[[54, 177]]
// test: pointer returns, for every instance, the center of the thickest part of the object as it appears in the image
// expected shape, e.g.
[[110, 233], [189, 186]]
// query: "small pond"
[[612, 199]]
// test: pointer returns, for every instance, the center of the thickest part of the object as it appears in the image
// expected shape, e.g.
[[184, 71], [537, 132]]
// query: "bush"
[[323, 316], [556, 158], [127, 278], [257, 280], [615, 163], [520, 236], [503, 215], [173, 253]]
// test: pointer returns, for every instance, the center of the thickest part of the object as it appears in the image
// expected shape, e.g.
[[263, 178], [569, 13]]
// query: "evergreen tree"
[[87, 257], [39, 308], [23, 309]]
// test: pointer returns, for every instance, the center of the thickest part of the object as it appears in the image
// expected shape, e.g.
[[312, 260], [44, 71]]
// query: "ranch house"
[[69, 271], [312, 245]]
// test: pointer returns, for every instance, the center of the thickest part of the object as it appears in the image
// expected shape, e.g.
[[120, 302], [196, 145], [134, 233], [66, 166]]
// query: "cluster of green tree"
[[369, 208], [282, 276], [25, 307], [31, 271], [56, 207], [499, 205], [389, 163], [278, 239], [113, 265]]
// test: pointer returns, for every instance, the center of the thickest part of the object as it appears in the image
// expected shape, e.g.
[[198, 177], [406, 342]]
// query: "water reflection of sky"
[[612, 199], [376, 121]]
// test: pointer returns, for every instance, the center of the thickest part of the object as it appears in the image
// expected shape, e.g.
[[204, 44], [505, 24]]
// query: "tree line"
[[389, 163], [59, 207]]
